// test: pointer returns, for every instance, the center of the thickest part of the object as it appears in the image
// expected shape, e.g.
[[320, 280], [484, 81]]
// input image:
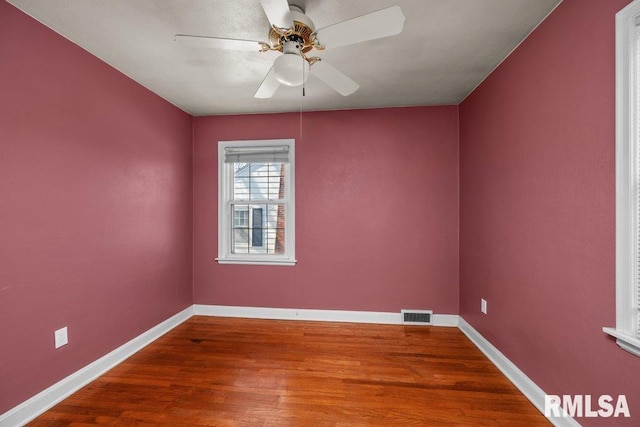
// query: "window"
[[256, 209], [627, 330]]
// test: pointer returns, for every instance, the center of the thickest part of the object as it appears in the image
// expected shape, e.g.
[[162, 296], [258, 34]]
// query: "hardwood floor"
[[236, 372]]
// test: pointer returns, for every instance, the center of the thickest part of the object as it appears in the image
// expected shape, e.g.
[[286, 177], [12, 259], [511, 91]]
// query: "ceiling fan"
[[293, 33]]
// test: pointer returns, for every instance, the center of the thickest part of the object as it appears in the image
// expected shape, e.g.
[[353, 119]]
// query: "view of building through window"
[[258, 214]]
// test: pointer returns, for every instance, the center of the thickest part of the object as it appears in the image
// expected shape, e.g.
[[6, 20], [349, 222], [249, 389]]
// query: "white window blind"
[[275, 154]]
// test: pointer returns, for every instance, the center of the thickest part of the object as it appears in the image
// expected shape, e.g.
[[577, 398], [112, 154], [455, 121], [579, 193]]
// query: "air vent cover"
[[416, 317]]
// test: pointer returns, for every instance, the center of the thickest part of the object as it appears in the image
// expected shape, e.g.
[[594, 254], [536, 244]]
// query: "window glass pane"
[[240, 241], [258, 229], [241, 216], [277, 185], [274, 228], [240, 235], [258, 181], [241, 169], [241, 180]]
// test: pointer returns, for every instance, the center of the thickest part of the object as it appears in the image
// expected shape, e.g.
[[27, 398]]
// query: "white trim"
[[297, 314], [41, 402], [46, 399], [626, 329], [449, 320], [36, 405], [626, 342], [248, 261], [384, 318], [225, 197], [530, 389]]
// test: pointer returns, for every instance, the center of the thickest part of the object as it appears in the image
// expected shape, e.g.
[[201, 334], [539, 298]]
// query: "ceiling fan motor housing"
[[297, 14], [303, 28]]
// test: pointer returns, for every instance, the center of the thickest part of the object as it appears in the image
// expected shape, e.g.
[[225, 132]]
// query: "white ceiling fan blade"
[[376, 25], [218, 43], [269, 86], [278, 13], [334, 78]]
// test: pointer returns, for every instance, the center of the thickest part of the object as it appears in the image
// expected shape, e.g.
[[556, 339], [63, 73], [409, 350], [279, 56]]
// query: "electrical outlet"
[[61, 337], [483, 305]]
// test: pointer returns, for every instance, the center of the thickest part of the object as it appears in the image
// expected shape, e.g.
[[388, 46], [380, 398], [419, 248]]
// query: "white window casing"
[[256, 202], [627, 329]]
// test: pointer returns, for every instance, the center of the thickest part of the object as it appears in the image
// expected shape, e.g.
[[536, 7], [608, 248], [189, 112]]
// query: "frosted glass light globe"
[[291, 69]]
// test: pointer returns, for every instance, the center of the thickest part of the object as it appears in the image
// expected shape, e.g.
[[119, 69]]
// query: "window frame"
[[225, 199], [627, 330]]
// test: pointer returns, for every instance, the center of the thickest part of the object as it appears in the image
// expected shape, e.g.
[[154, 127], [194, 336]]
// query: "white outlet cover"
[[61, 337], [483, 305]]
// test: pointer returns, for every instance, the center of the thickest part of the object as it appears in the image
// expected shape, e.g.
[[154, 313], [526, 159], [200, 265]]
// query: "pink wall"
[[376, 206], [537, 222], [95, 210]]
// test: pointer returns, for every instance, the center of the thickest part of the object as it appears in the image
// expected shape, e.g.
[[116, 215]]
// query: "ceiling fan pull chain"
[[304, 80], [301, 104]]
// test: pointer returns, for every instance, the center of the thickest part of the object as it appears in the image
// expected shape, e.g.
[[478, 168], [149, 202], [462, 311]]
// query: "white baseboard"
[[316, 315], [31, 408], [530, 389], [44, 400], [36, 405], [450, 320]]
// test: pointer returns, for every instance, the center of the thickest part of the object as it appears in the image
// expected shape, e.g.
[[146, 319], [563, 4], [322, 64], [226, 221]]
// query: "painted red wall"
[[95, 207], [537, 225], [96, 211], [376, 207]]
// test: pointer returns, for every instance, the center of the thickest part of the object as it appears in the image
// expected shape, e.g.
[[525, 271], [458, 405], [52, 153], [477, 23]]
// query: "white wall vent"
[[416, 317]]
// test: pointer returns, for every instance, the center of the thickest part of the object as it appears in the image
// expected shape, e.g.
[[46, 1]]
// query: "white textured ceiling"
[[446, 49]]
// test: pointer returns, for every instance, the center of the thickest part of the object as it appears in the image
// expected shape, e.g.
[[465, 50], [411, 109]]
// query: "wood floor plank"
[[235, 372]]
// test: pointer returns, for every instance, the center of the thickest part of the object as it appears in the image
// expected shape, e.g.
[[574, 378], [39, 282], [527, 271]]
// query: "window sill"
[[256, 261], [625, 341]]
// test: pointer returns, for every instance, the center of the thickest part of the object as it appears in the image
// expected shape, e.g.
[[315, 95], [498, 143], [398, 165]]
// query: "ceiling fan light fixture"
[[290, 68], [293, 33]]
